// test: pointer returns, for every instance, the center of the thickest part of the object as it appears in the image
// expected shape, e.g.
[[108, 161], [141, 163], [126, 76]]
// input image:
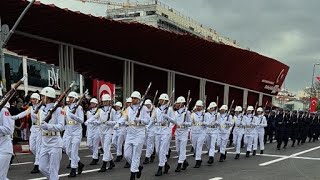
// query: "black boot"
[[221, 157], [69, 165], [118, 159], [35, 169], [185, 165], [248, 154], [139, 173], [133, 176], [159, 172], [101, 150], [198, 164], [237, 156], [166, 168], [152, 158], [178, 169], [111, 165], [127, 165], [169, 154], [210, 161], [72, 173], [94, 162], [261, 151], [103, 167], [225, 155], [254, 152], [80, 167], [146, 160]]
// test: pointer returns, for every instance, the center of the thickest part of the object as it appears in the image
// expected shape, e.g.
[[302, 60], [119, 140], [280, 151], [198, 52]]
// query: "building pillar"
[[171, 83], [260, 99], [226, 95], [81, 84], [202, 89], [128, 79], [245, 98], [25, 71]]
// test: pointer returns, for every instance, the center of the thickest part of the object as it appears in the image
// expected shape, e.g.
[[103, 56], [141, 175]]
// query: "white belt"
[[51, 133], [72, 123], [197, 124], [136, 125]]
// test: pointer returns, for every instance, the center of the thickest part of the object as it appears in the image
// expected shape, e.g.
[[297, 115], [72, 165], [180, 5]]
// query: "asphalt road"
[[294, 163]]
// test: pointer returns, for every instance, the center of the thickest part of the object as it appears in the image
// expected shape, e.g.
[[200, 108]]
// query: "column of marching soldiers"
[[139, 122]]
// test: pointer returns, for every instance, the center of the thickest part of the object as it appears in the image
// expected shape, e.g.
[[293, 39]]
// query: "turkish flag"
[[318, 78], [101, 87], [313, 104]]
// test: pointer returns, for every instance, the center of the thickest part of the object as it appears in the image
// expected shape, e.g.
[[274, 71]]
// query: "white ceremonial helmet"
[[199, 103], [238, 109], [129, 100], [136, 94], [212, 105], [181, 99], [250, 108], [106, 97], [164, 96], [148, 102], [49, 92], [118, 104], [94, 100], [260, 109], [224, 107], [73, 94], [35, 96]]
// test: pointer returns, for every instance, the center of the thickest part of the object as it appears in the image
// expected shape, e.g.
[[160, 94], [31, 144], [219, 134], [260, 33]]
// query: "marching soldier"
[[162, 116], [51, 141], [73, 133], [249, 124], [6, 148], [212, 130], [225, 124], [93, 136], [35, 137], [270, 129], [183, 122], [118, 135], [281, 129], [150, 139], [294, 127], [105, 118], [238, 130], [128, 104], [261, 123], [198, 132], [136, 133]]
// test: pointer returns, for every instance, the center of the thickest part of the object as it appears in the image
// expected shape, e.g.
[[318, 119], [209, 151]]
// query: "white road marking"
[[216, 178], [287, 157], [17, 164], [64, 175]]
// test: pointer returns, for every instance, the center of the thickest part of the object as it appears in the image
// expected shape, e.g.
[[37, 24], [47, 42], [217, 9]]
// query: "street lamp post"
[[312, 86]]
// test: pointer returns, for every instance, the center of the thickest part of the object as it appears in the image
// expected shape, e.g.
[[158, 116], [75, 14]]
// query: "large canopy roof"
[[141, 43]]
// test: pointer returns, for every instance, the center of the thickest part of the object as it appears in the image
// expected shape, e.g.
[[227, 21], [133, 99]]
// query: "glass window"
[[13, 66]]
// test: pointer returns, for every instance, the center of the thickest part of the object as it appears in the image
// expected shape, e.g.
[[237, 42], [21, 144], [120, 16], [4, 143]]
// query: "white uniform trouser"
[[259, 137], [248, 140], [223, 142], [162, 147], [181, 139], [118, 140], [4, 165], [212, 140], [93, 140], [24, 134], [35, 143], [72, 149], [49, 162], [197, 143], [107, 156], [150, 142], [237, 136], [133, 149]]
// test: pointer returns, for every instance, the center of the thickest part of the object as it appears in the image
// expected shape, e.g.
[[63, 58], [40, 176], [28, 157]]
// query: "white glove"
[[116, 126], [34, 116], [15, 117], [137, 120], [44, 125], [111, 123]]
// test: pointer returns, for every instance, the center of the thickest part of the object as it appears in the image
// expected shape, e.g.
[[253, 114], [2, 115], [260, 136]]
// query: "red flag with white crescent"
[[318, 78], [313, 104], [101, 87]]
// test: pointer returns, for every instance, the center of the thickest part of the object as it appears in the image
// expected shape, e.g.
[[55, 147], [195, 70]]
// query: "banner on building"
[[101, 87], [313, 104]]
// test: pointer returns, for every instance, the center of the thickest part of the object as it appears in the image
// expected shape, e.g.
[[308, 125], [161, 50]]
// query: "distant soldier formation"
[[139, 122]]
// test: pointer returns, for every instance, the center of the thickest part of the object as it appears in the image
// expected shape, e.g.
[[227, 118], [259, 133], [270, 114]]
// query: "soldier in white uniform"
[[198, 132], [6, 132], [150, 138], [136, 133], [73, 133], [119, 132], [35, 137], [250, 124], [106, 119], [93, 136], [225, 123], [51, 142], [261, 124], [212, 130], [161, 117], [182, 120], [238, 130], [128, 104]]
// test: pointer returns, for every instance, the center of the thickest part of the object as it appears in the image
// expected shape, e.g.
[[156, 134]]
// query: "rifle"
[[56, 104], [244, 111], [254, 111], [79, 101], [170, 102], [217, 107], [11, 93], [143, 100], [230, 109], [204, 107], [187, 106], [38, 108], [154, 98]]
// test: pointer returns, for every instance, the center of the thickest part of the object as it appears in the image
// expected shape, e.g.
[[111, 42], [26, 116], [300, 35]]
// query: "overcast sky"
[[286, 30]]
